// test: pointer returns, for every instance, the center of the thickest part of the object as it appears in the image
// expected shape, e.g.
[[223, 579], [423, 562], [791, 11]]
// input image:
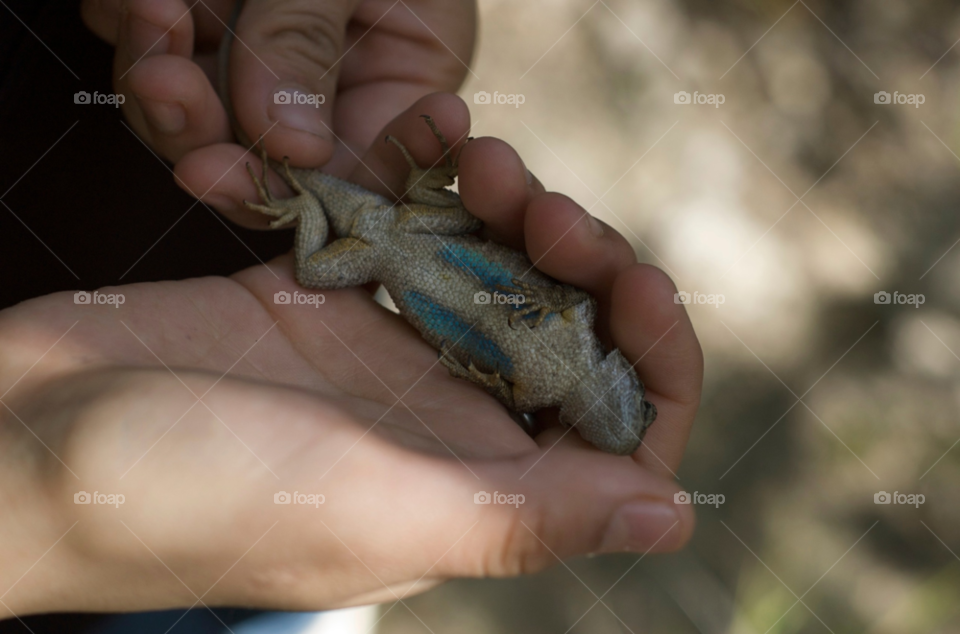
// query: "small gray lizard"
[[496, 320]]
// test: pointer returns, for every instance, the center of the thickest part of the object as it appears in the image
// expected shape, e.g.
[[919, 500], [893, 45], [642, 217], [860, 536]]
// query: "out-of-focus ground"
[[710, 194]]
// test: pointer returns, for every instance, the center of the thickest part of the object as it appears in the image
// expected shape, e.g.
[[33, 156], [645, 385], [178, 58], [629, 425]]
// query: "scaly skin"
[[530, 354]]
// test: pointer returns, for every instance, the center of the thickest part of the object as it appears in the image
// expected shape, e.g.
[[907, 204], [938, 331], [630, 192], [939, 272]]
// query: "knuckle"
[[521, 548], [305, 37]]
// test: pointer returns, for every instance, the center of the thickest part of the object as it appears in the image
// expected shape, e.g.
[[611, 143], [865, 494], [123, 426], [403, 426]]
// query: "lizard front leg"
[[433, 208]]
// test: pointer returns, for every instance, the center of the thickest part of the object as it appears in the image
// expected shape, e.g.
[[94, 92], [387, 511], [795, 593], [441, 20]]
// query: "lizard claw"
[[543, 300], [285, 211]]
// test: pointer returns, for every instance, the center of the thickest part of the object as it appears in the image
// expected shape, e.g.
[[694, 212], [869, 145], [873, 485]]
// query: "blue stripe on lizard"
[[473, 262], [448, 326], [491, 274]]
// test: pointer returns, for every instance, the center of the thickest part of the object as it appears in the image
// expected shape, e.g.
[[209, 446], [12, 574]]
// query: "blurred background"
[[816, 397]]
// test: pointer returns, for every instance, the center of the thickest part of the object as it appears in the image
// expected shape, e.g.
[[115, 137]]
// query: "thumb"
[[283, 75], [536, 510]]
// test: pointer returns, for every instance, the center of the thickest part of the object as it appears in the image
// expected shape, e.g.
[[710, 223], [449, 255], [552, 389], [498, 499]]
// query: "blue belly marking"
[[491, 274], [446, 325]]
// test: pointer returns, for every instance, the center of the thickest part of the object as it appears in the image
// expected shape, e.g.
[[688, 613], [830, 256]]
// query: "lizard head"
[[608, 408]]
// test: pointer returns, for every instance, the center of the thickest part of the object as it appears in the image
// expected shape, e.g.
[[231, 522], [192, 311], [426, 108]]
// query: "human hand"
[[199, 400], [369, 59]]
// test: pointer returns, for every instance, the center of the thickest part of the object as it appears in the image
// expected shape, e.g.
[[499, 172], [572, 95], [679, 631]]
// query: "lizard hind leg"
[[495, 384], [287, 210]]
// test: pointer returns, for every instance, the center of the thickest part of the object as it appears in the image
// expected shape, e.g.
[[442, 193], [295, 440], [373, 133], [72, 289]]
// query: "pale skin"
[[288, 396]]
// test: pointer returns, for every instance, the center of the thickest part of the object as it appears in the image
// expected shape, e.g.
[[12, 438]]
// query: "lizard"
[[495, 319]]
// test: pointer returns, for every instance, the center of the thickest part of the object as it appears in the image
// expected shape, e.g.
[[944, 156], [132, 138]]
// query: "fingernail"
[[297, 108], [526, 173], [638, 526], [145, 38], [596, 227], [223, 204], [168, 118]]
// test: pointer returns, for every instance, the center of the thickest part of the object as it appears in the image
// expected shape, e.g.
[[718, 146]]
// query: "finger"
[[149, 28], [361, 115], [217, 175], [283, 75], [396, 54], [383, 168], [656, 335], [497, 187], [564, 241], [174, 107], [605, 504], [102, 17]]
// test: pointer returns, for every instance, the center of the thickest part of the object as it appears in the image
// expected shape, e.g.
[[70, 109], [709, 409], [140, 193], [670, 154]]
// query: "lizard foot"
[[492, 381], [543, 300], [428, 185], [286, 210]]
